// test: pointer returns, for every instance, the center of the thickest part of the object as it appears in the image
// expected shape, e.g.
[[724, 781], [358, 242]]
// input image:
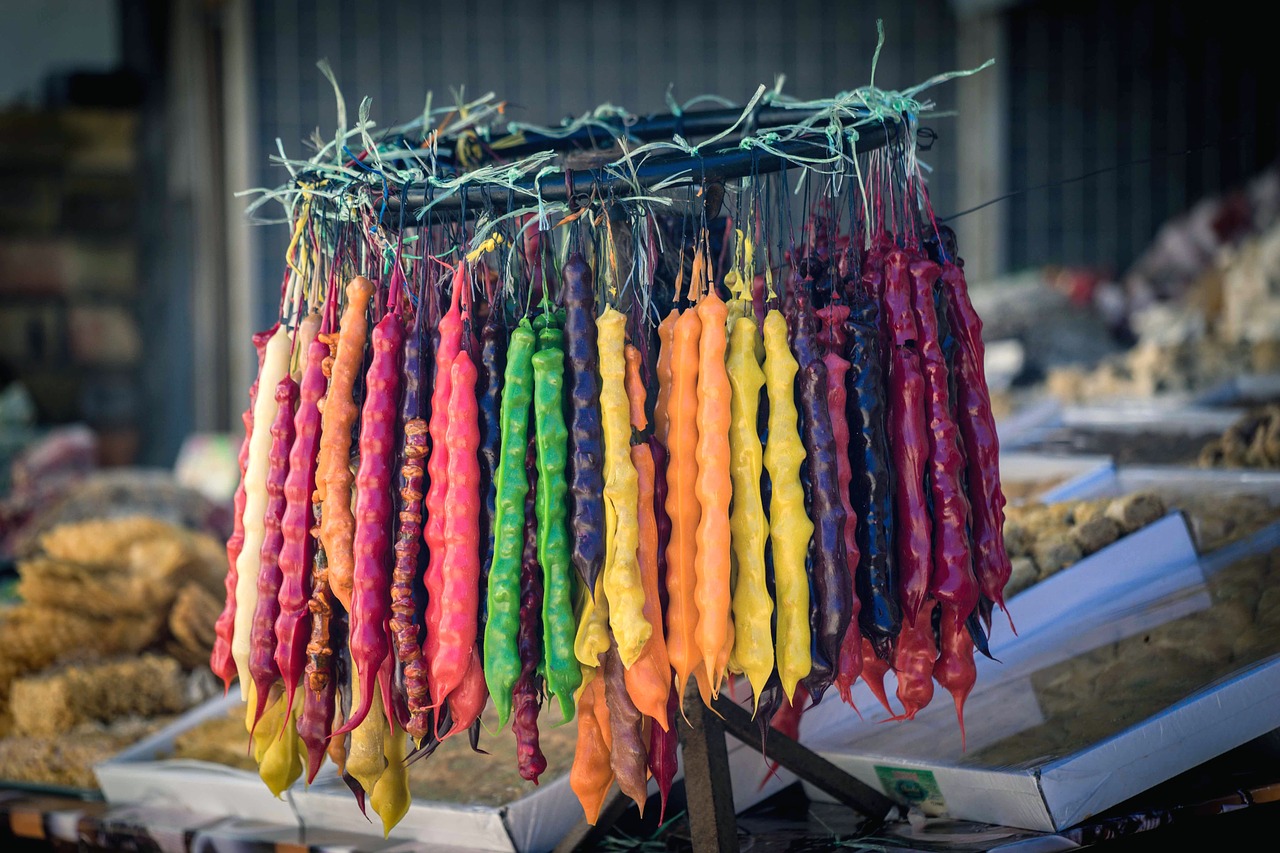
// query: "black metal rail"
[[604, 132], [691, 126], [674, 171]]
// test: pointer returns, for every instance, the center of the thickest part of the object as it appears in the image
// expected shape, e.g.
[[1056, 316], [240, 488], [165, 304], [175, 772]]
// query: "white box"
[[1145, 580], [1064, 792], [1170, 414], [1075, 471], [141, 775]]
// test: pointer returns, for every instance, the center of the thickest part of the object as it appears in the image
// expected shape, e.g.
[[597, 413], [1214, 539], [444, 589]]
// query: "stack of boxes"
[[69, 330]]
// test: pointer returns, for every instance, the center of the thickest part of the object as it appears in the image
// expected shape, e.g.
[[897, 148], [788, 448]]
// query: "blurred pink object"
[[42, 473], [64, 454]]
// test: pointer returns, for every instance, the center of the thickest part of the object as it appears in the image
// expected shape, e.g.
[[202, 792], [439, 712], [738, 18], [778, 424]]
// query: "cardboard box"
[[32, 334], [32, 137], [30, 201], [36, 266], [104, 269], [533, 823], [99, 207], [104, 336], [100, 141], [1113, 601]]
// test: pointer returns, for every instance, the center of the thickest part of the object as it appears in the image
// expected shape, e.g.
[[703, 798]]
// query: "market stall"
[[618, 482]]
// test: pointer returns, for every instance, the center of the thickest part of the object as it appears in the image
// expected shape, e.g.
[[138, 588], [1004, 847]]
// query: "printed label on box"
[[918, 787]]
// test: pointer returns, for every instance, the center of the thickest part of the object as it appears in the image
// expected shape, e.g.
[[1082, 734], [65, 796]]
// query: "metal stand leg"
[[713, 821], [805, 763]]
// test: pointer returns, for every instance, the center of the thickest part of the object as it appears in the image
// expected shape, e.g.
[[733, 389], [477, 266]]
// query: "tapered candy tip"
[[1009, 616]]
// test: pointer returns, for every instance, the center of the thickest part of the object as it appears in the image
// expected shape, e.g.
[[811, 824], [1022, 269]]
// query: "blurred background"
[[1113, 180], [130, 278]]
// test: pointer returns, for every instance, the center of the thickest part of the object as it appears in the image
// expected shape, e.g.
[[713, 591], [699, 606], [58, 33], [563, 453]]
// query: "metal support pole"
[[805, 763], [679, 170], [708, 787], [713, 823], [604, 133]]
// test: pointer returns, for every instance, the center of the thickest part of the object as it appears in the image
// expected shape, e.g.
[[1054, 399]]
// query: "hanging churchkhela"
[[562, 462]]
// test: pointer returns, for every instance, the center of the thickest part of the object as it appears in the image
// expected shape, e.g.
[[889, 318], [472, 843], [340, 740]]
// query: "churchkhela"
[[590, 461]]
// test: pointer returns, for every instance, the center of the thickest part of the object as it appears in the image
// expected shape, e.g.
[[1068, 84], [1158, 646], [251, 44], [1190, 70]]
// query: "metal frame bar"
[[677, 170], [713, 823], [708, 784], [805, 763], [692, 126]]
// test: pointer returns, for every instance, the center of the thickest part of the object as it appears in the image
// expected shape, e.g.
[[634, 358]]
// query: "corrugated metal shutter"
[[1095, 84], [552, 59]]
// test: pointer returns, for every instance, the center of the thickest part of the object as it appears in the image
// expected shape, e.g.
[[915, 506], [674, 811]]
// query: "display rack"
[[728, 161], [708, 781], [607, 131], [702, 730]]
